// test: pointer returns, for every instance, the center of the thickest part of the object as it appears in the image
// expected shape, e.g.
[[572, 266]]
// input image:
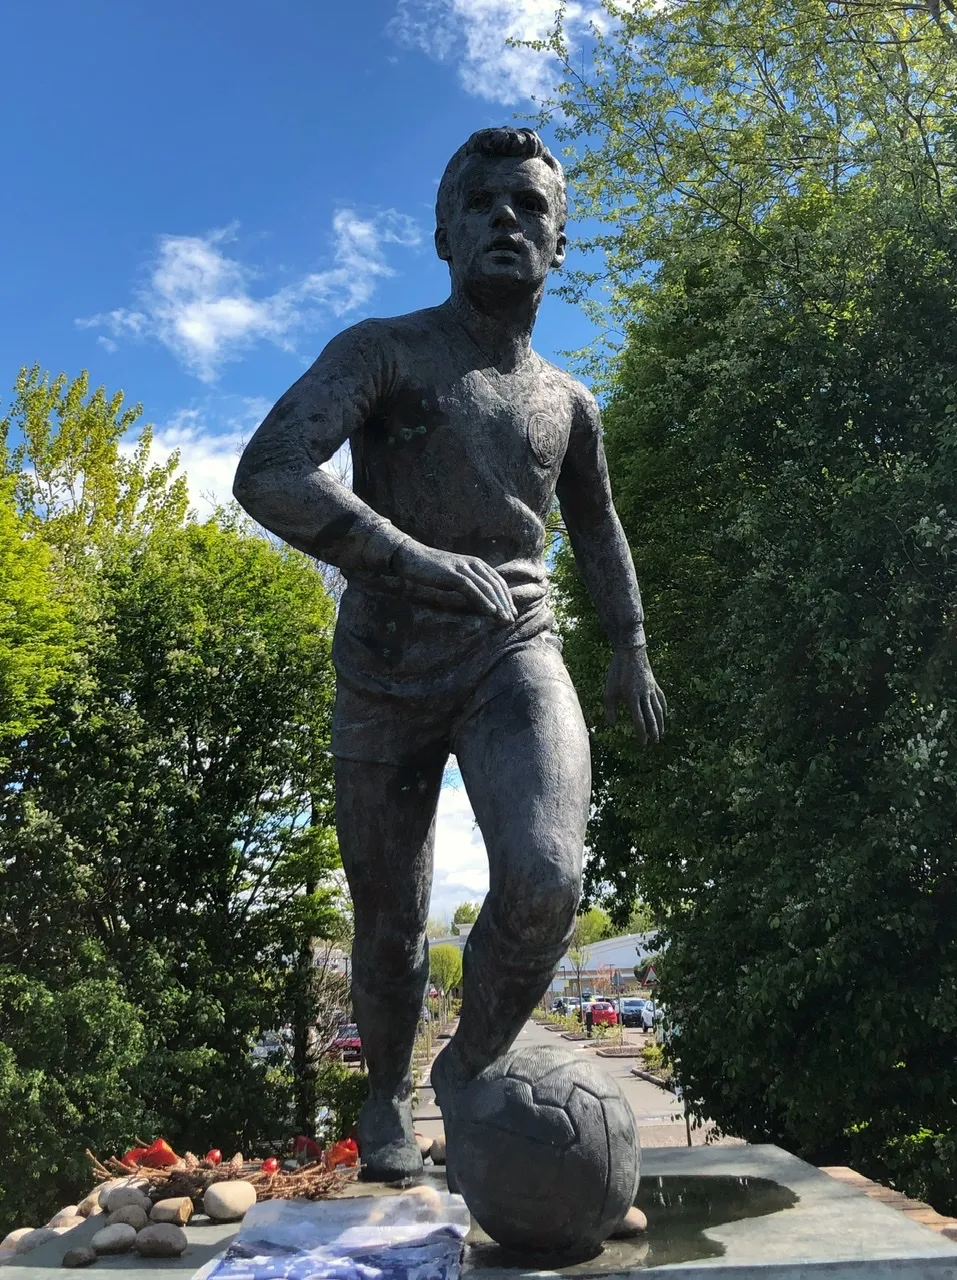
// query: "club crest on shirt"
[[545, 437]]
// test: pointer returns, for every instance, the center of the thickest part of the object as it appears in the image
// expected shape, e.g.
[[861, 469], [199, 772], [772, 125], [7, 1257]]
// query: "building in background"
[[609, 965]]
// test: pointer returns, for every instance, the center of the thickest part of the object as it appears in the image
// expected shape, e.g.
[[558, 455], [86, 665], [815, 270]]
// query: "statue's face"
[[504, 227]]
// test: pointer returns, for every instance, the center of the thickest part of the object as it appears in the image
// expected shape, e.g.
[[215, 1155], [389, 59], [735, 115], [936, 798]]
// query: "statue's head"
[[500, 213]]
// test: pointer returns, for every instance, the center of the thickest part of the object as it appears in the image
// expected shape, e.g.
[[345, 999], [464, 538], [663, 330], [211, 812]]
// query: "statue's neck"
[[503, 333]]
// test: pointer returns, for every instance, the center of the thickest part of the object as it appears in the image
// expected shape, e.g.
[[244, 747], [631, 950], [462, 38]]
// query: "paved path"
[[659, 1113]]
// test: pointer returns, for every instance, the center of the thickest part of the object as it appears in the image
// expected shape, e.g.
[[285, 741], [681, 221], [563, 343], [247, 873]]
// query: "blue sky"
[[198, 196]]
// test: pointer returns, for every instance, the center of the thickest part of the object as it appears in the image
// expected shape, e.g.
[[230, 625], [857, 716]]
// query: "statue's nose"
[[503, 215]]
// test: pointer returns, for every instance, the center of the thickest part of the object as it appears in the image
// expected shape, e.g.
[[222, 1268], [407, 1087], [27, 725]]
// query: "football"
[[546, 1152]]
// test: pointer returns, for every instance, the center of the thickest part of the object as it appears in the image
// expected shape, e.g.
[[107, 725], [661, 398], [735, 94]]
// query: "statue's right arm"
[[281, 481]]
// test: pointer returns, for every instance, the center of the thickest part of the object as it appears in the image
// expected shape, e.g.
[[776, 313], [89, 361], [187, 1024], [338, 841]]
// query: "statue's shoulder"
[[580, 401], [393, 334]]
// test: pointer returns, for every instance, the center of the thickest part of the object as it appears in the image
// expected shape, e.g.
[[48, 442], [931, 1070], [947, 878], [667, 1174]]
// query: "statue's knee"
[[390, 959], [546, 915]]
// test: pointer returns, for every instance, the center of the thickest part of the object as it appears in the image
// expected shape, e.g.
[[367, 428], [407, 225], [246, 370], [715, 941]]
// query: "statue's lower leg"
[[503, 980], [386, 821], [388, 1025], [389, 1149]]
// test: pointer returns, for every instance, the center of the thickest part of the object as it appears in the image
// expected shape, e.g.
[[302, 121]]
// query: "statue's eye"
[[478, 202], [533, 204]]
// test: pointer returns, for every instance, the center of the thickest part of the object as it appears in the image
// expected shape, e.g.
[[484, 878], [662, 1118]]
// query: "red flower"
[[304, 1148], [159, 1155]]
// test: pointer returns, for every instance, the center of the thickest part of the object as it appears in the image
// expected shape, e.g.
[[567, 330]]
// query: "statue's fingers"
[[639, 720], [499, 587], [661, 697], [648, 716], [610, 703], [658, 710], [478, 592]]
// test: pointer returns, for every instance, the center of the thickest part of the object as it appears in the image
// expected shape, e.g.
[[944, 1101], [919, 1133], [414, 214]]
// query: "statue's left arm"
[[604, 561]]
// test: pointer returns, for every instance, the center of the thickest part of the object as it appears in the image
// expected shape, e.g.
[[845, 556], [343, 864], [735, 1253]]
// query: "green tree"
[[773, 190], [591, 926], [167, 825], [79, 479], [465, 913], [175, 813], [792, 832], [35, 628], [710, 115], [445, 966], [438, 928], [68, 1062], [642, 918]]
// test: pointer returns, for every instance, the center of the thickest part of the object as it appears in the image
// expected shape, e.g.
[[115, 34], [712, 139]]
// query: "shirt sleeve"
[[281, 481], [597, 539]]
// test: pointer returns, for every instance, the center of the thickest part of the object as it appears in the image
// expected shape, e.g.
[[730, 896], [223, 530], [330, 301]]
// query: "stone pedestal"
[[747, 1213]]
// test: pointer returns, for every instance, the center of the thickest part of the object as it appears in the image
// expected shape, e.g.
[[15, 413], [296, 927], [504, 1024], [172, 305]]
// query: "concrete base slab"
[[206, 1239], [753, 1213], [748, 1212]]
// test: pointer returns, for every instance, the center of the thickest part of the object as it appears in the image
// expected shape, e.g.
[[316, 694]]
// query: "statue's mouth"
[[505, 244]]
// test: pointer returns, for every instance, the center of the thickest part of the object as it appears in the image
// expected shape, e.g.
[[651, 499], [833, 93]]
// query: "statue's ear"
[[442, 244], [560, 246]]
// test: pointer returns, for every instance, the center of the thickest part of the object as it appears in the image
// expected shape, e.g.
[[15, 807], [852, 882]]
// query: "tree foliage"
[[591, 926], [641, 919], [710, 114], [777, 190], [465, 913], [69, 1054], [79, 479], [445, 966], [166, 825], [35, 629]]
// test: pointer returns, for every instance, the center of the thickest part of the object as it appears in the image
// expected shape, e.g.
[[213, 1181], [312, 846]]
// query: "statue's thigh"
[[385, 816], [525, 762]]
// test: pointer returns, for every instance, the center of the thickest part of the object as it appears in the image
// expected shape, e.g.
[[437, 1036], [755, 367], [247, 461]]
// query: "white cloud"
[[209, 437], [475, 33], [209, 440], [461, 864], [199, 302]]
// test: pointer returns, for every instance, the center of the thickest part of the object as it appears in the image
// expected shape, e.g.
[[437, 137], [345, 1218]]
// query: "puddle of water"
[[679, 1211]]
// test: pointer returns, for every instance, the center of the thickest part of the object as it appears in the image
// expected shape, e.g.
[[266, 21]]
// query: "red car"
[[347, 1044], [603, 1013]]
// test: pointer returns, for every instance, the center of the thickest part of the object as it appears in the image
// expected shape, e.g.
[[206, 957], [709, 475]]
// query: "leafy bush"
[[68, 1062], [781, 434], [166, 835], [343, 1091], [445, 966]]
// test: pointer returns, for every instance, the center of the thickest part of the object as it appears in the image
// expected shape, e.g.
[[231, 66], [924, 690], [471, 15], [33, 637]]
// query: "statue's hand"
[[480, 587], [630, 680]]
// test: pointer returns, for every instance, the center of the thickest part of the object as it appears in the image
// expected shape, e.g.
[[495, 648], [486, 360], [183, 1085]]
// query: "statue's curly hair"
[[507, 142]]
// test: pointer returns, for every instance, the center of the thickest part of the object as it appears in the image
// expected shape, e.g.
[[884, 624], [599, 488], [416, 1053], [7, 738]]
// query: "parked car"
[[632, 1009], [272, 1046], [603, 1013], [347, 1045]]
